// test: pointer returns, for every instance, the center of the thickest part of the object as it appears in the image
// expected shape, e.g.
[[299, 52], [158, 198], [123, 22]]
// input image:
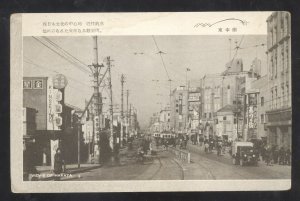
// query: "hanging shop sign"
[[60, 81]]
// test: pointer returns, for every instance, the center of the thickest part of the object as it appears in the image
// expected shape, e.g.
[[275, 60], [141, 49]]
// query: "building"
[[195, 109], [49, 121], [226, 90], [279, 79], [259, 88], [179, 110], [226, 123], [154, 126], [164, 119]]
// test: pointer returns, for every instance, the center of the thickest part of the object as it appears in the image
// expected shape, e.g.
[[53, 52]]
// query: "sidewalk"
[[227, 156]]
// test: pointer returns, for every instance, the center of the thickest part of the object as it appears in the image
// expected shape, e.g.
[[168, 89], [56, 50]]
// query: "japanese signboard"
[[52, 110], [60, 81]]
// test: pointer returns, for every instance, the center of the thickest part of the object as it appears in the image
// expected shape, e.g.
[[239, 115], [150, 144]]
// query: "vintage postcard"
[[135, 102]]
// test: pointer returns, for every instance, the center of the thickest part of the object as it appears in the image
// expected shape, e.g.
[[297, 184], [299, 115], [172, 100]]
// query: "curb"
[[83, 169]]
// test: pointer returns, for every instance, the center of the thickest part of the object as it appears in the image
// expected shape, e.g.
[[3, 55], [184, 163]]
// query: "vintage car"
[[244, 153]]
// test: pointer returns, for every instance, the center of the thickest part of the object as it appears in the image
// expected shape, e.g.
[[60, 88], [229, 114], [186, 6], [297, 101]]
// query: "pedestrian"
[[288, 157], [275, 154], [219, 148], [58, 163], [281, 154], [206, 147], [268, 155]]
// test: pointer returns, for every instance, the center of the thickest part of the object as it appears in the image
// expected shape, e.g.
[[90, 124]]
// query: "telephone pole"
[[97, 99], [122, 109], [130, 119], [127, 114], [112, 139]]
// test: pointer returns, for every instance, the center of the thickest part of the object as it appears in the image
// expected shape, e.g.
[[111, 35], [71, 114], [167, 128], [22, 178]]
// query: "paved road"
[[165, 167], [162, 167], [211, 166]]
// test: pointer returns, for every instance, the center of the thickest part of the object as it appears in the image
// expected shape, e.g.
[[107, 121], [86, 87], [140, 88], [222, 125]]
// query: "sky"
[[202, 54]]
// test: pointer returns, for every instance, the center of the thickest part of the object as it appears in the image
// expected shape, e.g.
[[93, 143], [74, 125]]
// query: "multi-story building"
[[226, 123], [164, 119], [195, 108], [279, 79], [179, 110], [52, 123], [258, 90], [154, 123], [225, 90]]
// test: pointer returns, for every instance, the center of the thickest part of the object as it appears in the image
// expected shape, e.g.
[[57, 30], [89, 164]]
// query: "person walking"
[[58, 163], [275, 154], [206, 147], [219, 147], [281, 154], [268, 156], [288, 157]]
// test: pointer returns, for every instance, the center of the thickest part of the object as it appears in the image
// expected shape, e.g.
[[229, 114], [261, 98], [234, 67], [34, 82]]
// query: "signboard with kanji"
[[60, 81]]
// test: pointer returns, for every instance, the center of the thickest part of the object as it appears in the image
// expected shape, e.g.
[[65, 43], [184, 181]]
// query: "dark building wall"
[[37, 99]]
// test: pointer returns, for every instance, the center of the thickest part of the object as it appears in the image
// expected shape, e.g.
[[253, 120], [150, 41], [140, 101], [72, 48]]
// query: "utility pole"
[[122, 109], [97, 97], [229, 49], [170, 81], [112, 139], [127, 95], [130, 119], [78, 143]]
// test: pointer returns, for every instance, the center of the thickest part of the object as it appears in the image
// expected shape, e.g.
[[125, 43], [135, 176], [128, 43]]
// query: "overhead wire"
[[62, 56], [63, 50], [43, 67], [159, 52]]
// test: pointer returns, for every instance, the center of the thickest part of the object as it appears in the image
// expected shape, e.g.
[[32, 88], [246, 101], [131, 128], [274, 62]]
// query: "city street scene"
[[158, 107]]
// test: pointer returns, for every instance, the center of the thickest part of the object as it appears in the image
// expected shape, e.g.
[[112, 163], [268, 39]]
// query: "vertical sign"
[[252, 115], [51, 103]]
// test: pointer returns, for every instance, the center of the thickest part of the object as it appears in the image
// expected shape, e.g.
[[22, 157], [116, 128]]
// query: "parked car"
[[244, 153]]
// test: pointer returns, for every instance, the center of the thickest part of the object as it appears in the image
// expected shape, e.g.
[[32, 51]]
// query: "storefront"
[[280, 127]]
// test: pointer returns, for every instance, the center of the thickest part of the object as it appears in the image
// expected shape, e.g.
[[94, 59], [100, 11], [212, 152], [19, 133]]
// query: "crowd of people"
[[274, 155], [269, 154]]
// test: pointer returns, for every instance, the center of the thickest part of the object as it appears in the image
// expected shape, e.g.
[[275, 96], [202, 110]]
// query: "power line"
[[59, 47], [160, 52], [39, 66], [62, 56]]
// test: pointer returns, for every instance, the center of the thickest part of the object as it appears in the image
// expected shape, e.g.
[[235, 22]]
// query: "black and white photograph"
[[167, 108]]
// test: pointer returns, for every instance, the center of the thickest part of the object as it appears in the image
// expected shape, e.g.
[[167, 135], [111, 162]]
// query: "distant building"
[[234, 66], [164, 119], [227, 88], [279, 79], [195, 108], [226, 123], [179, 110]]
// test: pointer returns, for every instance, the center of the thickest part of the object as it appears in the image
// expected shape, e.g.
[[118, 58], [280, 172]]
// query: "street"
[[166, 167]]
